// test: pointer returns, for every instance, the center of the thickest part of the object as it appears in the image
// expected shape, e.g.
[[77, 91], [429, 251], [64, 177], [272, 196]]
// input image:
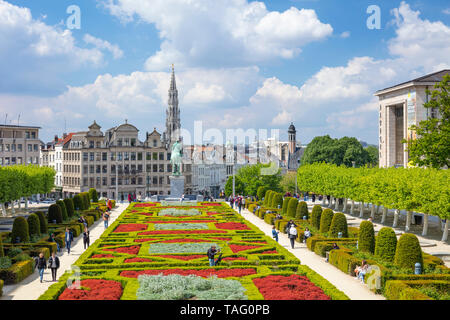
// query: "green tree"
[[431, 148], [285, 205], [239, 186], [43, 224], [288, 182], [261, 192], [373, 156]]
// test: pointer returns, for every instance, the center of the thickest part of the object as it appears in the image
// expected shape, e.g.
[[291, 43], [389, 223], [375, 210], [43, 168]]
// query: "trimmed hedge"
[[34, 225], [408, 251], [17, 272], [325, 220], [55, 214], [338, 224], [86, 200], [292, 207], [261, 192], [366, 238], [78, 202], [43, 224], [386, 244], [277, 200], [2, 253], [285, 205], [400, 290], [61, 204], [1, 288], [20, 230], [69, 207], [315, 216], [93, 195], [269, 198], [269, 218], [302, 210]]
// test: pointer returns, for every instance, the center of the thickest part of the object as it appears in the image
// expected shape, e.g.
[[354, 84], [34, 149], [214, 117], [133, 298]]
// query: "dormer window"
[[155, 143], [91, 144]]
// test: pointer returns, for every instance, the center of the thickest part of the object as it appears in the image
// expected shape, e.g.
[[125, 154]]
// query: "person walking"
[[307, 234], [240, 205], [106, 219], [69, 238], [275, 233], [86, 240], [52, 239], [211, 253], [292, 235], [53, 264], [121, 198], [41, 265], [129, 198]]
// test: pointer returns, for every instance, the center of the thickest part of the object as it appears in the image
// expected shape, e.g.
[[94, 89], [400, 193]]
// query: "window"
[[85, 156], [85, 181], [19, 148], [119, 156], [98, 169], [30, 147], [36, 148], [27, 134], [85, 169], [133, 181], [149, 168], [139, 156], [120, 181], [119, 142], [113, 169], [161, 168], [155, 156], [169, 155], [113, 181], [161, 156], [33, 135], [19, 160], [133, 156], [133, 142], [126, 156], [113, 156], [98, 181], [104, 156], [13, 160], [139, 167], [98, 156], [155, 143], [127, 142], [149, 156], [155, 168], [13, 148], [161, 180], [169, 168], [99, 144], [91, 144], [7, 147], [105, 181], [155, 180], [91, 169], [105, 169], [133, 167], [91, 156]]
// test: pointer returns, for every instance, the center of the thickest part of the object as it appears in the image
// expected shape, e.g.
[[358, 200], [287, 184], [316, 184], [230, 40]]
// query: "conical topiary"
[[325, 220], [408, 252], [261, 192], [93, 195], [20, 230], [366, 237], [316, 215], [267, 197], [338, 224], [55, 214], [292, 207], [34, 227], [2, 253], [386, 243], [61, 204], [78, 202], [302, 210], [43, 225], [86, 200], [277, 200], [285, 205], [69, 207]]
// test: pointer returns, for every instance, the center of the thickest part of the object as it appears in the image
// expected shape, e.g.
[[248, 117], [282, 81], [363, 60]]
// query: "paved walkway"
[[32, 289], [352, 287]]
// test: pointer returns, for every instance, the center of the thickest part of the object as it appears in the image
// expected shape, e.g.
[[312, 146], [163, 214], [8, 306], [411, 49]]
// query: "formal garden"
[[393, 261], [157, 251]]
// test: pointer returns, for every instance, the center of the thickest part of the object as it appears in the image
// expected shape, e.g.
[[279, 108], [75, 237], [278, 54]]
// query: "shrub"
[[55, 214], [325, 220], [14, 251], [62, 205], [78, 202], [302, 210], [2, 253], [93, 195], [5, 262], [277, 200], [261, 192], [43, 224], [285, 205], [408, 251], [315, 216], [20, 229], [338, 224], [366, 237], [86, 200], [385, 244], [34, 225], [69, 207], [292, 207], [266, 197]]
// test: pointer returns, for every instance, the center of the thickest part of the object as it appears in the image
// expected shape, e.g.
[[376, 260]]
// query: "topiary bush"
[[34, 225], [69, 207], [325, 220], [20, 230], [338, 224], [43, 226], [386, 244], [292, 207], [93, 195], [78, 202], [266, 197], [285, 205], [55, 214], [408, 251], [366, 237], [277, 200], [261, 192], [316, 215], [302, 210], [2, 253], [86, 200], [61, 204]]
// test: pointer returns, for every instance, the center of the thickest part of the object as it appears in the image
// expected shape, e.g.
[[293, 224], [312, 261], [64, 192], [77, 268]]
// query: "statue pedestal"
[[177, 186]]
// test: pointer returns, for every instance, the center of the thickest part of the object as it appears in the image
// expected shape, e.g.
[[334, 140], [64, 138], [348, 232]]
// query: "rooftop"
[[23, 127]]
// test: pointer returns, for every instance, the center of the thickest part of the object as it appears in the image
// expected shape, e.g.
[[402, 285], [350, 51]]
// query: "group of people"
[[237, 203], [131, 197]]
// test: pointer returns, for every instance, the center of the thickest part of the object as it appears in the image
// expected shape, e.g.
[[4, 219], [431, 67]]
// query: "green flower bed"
[[180, 248], [181, 226]]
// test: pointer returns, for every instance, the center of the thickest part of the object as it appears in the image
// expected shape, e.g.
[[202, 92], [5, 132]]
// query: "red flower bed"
[[157, 232], [147, 214], [100, 256], [223, 239], [98, 290], [182, 221], [130, 228], [211, 204], [237, 248], [234, 258], [129, 250], [145, 205], [255, 241], [184, 241], [232, 226], [144, 240], [294, 287], [137, 260], [223, 273], [184, 258], [269, 252], [213, 213]]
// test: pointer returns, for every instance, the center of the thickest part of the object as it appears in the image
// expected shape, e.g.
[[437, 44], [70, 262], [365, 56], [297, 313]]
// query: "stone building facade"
[[19, 145]]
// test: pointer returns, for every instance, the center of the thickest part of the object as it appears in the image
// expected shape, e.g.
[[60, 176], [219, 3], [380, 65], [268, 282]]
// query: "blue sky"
[[240, 64]]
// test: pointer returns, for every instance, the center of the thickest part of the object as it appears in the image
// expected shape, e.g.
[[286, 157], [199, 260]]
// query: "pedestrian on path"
[[83, 220], [292, 235], [275, 233], [52, 239], [53, 264], [121, 198], [41, 265], [69, 238], [211, 253], [106, 219], [86, 239], [240, 206]]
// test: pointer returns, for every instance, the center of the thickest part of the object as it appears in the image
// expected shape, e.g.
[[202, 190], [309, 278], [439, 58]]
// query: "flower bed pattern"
[[248, 256]]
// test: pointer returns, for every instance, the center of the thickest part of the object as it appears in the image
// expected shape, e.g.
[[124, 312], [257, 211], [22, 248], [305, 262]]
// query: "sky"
[[239, 63]]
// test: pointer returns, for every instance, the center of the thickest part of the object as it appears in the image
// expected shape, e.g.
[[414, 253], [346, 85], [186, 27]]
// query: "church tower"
[[173, 123], [292, 139]]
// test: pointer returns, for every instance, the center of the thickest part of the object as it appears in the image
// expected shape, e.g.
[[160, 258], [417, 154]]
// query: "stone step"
[[425, 244]]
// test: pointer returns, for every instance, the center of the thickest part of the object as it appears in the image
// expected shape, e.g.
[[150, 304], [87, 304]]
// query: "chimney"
[[56, 139]]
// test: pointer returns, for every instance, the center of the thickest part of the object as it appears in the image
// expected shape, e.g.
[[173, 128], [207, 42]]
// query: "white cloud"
[[345, 34], [103, 44], [446, 11], [221, 32], [203, 93]]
